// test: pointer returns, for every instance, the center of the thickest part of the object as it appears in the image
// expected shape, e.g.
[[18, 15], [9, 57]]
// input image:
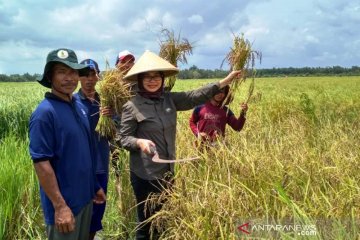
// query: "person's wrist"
[[59, 205], [138, 143]]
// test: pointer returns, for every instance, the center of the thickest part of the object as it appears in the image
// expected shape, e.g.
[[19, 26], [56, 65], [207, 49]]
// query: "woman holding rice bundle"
[[148, 121]]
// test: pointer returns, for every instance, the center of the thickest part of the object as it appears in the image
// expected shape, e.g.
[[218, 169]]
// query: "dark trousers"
[[143, 189]]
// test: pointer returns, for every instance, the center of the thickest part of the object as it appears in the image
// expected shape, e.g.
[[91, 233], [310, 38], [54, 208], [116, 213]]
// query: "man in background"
[[91, 100]]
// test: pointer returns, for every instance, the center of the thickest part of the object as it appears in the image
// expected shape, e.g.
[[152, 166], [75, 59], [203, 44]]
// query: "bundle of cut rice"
[[114, 91], [242, 57], [173, 50]]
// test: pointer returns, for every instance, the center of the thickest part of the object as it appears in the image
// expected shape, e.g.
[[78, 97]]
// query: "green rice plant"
[[20, 213], [120, 220], [16, 106]]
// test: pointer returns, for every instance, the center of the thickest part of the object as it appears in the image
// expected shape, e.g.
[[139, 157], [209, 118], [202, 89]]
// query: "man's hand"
[[106, 111], [63, 216], [64, 219], [100, 197]]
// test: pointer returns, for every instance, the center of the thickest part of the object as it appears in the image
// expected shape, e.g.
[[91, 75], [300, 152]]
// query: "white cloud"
[[312, 39], [295, 33], [325, 55], [196, 19]]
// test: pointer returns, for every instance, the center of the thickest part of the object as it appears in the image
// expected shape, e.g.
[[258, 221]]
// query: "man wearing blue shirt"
[[91, 100], [61, 147]]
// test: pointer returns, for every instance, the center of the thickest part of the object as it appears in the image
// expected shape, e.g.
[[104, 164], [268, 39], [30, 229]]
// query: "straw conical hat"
[[149, 61]]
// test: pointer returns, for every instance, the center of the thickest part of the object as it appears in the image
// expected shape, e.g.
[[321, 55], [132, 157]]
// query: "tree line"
[[19, 78], [196, 73]]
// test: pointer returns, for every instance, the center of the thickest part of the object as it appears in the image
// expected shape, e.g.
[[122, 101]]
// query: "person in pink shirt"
[[208, 121]]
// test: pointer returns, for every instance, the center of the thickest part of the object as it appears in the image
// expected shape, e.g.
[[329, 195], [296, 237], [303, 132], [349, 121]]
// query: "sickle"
[[156, 158]]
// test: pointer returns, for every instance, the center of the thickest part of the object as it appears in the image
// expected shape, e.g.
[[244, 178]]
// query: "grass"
[[296, 161], [20, 213]]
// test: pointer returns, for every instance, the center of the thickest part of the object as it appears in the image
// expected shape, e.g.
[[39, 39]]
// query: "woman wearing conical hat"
[[148, 122]]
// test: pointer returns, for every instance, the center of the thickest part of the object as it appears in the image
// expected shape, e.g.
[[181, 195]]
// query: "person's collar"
[[83, 97], [81, 94], [50, 95]]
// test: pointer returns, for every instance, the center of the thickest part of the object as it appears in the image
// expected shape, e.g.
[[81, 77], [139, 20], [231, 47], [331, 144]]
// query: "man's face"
[[125, 64], [64, 79], [88, 82]]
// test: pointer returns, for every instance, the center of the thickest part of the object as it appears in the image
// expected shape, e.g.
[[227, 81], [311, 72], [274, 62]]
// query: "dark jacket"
[[155, 120]]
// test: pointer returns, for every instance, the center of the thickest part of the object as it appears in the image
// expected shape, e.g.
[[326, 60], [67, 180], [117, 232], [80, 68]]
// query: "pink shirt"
[[209, 118]]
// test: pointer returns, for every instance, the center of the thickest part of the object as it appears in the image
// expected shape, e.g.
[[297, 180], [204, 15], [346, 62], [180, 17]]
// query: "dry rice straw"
[[174, 50], [114, 92], [242, 57]]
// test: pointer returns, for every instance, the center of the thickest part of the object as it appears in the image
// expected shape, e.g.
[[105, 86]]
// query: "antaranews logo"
[[244, 228], [259, 228]]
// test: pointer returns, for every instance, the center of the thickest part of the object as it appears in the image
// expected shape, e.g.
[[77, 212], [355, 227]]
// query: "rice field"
[[291, 173]]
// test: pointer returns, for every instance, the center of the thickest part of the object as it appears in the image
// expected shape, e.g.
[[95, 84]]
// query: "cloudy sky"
[[288, 33]]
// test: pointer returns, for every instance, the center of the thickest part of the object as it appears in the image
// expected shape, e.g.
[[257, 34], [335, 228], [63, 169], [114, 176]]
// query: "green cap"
[[65, 56]]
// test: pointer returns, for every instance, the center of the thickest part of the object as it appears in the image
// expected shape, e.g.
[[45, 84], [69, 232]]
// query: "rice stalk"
[[251, 90], [242, 57], [174, 50], [114, 93]]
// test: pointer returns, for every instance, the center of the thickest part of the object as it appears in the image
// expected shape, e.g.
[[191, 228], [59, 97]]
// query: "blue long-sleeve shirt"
[[101, 147]]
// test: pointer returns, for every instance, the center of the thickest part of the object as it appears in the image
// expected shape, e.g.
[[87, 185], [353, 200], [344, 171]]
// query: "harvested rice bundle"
[[114, 92], [242, 57], [173, 50]]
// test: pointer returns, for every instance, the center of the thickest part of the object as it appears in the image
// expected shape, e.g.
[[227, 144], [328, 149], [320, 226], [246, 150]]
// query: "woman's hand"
[[229, 78], [145, 145]]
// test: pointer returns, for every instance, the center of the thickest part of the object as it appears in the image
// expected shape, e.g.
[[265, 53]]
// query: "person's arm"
[[41, 147], [64, 218], [188, 100], [127, 132], [193, 122], [237, 123], [128, 127], [229, 78]]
